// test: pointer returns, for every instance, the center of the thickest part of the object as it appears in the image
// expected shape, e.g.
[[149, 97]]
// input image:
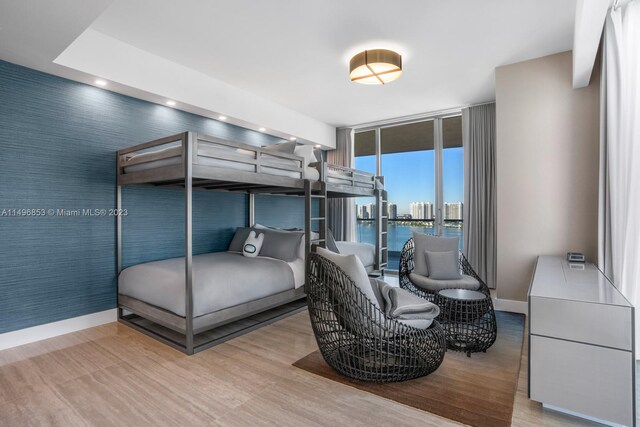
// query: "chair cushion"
[[443, 265], [352, 267], [416, 323], [432, 285], [426, 242]]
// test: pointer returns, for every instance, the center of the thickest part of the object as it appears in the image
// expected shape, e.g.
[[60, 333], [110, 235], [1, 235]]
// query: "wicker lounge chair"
[[357, 339], [407, 264]]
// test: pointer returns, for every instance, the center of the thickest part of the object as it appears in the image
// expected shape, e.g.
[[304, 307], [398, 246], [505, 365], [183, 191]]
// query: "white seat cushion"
[[432, 285]]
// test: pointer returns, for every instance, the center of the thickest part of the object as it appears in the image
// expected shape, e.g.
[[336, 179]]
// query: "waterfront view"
[[400, 231]]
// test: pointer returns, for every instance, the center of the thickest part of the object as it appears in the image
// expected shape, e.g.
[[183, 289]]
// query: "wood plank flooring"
[[112, 375]]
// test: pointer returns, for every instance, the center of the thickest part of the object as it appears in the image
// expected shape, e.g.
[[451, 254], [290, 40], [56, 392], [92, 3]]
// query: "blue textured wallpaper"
[[57, 151]]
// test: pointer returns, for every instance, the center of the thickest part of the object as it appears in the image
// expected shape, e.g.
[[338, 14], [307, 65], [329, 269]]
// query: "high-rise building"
[[371, 209], [362, 211], [421, 210], [453, 211], [392, 211]]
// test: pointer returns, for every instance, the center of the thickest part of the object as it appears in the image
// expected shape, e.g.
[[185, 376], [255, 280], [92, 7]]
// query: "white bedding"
[[220, 280], [366, 252]]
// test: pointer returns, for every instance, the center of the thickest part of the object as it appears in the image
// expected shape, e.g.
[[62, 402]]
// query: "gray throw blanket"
[[401, 304]]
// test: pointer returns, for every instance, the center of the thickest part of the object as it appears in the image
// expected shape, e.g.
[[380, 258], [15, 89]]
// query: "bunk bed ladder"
[[310, 221], [382, 223]]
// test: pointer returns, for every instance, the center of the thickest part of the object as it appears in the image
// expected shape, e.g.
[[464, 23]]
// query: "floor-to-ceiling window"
[[365, 160], [422, 166], [452, 177]]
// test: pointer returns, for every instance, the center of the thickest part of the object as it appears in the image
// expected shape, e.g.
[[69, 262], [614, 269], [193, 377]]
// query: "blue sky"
[[409, 177]]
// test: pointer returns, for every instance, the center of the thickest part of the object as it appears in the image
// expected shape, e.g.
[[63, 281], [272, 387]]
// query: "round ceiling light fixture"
[[376, 66]]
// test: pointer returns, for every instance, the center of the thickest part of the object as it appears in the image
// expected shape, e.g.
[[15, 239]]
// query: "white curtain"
[[619, 233], [342, 212], [479, 142]]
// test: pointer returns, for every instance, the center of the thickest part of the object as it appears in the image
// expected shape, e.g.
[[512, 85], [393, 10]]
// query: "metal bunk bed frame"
[[189, 175]]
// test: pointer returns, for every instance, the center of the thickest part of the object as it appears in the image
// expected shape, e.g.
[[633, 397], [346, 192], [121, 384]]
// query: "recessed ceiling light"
[[171, 103], [318, 145], [262, 129], [293, 138], [223, 118], [101, 82]]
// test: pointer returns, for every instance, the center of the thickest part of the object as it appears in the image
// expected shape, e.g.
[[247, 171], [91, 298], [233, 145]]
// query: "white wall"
[[547, 167]]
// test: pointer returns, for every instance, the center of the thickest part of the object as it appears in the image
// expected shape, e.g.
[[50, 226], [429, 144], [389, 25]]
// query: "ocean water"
[[399, 233]]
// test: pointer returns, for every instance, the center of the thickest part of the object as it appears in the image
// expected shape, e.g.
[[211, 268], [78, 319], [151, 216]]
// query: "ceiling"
[[296, 52], [290, 55]]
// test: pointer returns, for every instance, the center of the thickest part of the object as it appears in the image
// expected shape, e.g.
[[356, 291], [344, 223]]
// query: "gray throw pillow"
[[284, 147], [331, 242], [443, 265], [282, 245], [427, 242], [238, 239], [352, 267]]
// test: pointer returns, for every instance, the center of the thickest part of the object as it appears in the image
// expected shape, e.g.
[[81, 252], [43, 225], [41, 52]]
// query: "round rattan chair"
[[357, 339], [407, 264]]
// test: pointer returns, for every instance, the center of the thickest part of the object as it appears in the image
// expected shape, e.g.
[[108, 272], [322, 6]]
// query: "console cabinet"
[[581, 343]]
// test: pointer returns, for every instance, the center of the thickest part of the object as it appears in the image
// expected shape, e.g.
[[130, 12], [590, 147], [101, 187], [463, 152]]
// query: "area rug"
[[477, 390]]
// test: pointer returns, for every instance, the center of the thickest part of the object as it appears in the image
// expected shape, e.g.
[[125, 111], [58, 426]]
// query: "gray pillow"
[[284, 147], [282, 245], [331, 242], [427, 242], [238, 239], [443, 265], [353, 268]]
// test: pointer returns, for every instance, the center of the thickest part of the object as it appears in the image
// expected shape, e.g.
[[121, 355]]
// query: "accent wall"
[[58, 140]]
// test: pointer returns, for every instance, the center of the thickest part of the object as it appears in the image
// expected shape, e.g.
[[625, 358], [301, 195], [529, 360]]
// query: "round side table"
[[468, 320]]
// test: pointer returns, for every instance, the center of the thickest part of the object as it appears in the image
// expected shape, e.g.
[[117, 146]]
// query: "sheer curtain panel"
[[619, 233]]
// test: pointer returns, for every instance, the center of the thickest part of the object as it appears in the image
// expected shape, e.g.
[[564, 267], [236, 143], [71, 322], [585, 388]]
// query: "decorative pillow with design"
[[253, 244]]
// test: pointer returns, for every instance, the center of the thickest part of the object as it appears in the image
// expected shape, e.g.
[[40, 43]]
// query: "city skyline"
[[409, 176], [418, 210]]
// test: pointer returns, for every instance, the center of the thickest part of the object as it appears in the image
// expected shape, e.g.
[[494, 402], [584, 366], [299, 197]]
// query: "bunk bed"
[[161, 298]]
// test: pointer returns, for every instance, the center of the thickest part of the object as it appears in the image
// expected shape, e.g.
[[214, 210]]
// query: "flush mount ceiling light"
[[374, 67], [171, 103], [101, 82]]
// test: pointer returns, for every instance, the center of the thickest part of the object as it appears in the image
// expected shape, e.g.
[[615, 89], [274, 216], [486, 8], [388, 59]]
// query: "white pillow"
[[253, 244], [352, 266], [305, 151]]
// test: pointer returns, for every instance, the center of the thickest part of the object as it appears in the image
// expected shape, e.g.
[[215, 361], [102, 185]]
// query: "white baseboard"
[[511, 305], [54, 329]]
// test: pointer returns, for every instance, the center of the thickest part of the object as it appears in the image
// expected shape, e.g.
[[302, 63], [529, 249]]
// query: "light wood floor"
[[112, 375]]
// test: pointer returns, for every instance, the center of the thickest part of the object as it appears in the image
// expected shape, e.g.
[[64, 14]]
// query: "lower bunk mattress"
[[220, 280]]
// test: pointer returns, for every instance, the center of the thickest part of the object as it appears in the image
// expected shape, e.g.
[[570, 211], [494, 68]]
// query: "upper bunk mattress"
[[220, 280]]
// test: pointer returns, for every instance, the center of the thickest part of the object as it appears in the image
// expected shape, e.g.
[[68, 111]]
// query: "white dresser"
[[581, 343]]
